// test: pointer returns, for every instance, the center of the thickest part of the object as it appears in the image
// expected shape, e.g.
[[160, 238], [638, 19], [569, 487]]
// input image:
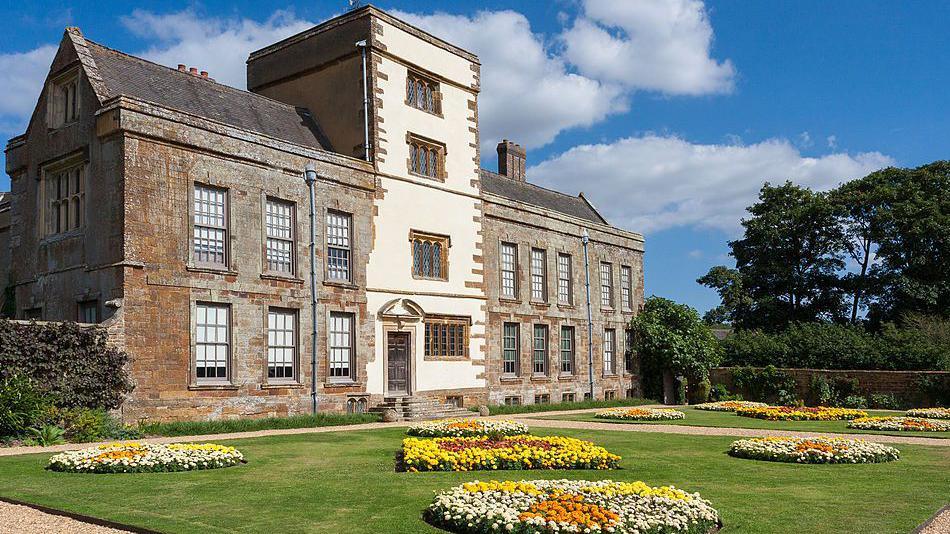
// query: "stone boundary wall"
[[901, 384]]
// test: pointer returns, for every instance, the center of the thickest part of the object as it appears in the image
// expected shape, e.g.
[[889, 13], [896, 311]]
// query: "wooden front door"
[[397, 349]]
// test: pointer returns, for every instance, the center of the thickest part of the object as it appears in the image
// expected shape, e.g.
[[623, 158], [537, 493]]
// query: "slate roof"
[[536, 195], [135, 77]]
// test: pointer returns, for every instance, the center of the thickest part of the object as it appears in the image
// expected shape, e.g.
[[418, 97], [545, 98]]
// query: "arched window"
[[410, 91], [351, 406]]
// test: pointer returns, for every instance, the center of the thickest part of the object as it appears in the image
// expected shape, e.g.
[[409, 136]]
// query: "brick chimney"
[[511, 160]]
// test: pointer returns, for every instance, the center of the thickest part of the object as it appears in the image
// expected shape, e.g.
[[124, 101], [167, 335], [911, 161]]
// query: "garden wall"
[[901, 384]]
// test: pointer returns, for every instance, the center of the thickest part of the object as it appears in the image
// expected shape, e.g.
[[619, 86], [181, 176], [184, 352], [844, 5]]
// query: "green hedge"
[[833, 346], [72, 365]]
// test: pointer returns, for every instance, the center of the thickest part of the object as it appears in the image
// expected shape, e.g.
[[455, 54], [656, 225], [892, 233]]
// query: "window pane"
[[540, 353], [281, 344], [338, 245], [567, 350], [210, 225], [564, 290], [212, 341], [538, 275], [606, 285], [509, 254], [609, 344], [510, 348], [341, 346]]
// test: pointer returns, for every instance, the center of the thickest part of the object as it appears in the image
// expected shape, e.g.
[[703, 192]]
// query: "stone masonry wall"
[[530, 227]]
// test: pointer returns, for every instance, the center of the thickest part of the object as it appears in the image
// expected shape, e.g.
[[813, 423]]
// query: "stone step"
[[420, 409]]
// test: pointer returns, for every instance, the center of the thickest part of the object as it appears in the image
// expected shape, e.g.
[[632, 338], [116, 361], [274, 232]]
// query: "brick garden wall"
[[901, 384]]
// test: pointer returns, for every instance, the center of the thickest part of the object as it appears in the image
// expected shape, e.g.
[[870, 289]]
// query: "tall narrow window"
[[338, 245], [89, 311], [539, 357], [212, 342], [281, 344], [606, 285], [610, 345], [510, 352], [565, 284], [279, 229], [509, 270], [429, 256], [446, 337], [539, 276], [567, 350], [628, 351], [64, 100], [626, 287], [426, 158], [66, 194], [341, 347], [211, 226], [423, 93]]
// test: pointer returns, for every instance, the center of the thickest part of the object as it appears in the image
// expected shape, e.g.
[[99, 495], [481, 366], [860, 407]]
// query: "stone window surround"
[[540, 345], [352, 247], [294, 227], [87, 305], [46, 171], [323, 362], [502, 243], [192, 265], [464, 321], [429, 144], [416, 76], [54, 120], [570, 278], [612, 338], [354, 327], [542, 277], [194, 383], [446, 245], [607, 297], [295, 380], [626, 287]]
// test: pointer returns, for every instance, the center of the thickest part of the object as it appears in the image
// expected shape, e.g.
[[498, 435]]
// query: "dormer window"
[[64, 100], [423, 93]]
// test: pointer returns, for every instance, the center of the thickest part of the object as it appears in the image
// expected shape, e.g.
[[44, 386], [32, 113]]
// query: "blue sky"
[[668, 114]]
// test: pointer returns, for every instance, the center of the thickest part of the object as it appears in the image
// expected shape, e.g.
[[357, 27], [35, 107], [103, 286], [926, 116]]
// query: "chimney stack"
[[181, 67], [511, 160], [193, 71]]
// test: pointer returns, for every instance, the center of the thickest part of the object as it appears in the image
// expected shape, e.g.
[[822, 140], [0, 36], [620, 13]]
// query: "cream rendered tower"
[[424, 315], [427, 217]]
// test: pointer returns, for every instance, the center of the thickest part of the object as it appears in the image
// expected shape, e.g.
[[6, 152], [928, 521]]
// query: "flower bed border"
[[416, 453], [872, 423], [137, 457], [648, 414], [758, 449]]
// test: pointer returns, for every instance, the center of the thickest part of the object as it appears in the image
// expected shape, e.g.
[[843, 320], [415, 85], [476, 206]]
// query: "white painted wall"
[[415, 203]]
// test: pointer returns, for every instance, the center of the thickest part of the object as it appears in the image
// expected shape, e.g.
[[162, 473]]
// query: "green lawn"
[[345, 482], [696, 417]]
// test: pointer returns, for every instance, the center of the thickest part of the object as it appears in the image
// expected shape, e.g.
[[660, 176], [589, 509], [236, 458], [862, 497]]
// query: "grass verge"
[[501, 409], [195, 428]]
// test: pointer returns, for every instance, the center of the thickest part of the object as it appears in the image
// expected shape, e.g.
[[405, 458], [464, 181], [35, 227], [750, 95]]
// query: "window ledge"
[[445, 358], [281, 278], [340, 284], [566, 378], [611, 375], [429, 278], [607, 310], [427, 177], [282, 385], [511, 379], [540, 304], [210, 270], [427, 112], [541, 378], [212, 387], [510, 300], [62, 236], [341, 384], [563, 306]]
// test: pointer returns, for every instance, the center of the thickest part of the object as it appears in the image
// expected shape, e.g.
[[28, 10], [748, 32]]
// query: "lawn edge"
[[88, 519]]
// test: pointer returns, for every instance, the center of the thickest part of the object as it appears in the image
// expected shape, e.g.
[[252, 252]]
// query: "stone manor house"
[[175, 211]]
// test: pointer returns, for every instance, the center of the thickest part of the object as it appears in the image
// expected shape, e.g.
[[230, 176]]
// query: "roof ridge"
[[210, 80]]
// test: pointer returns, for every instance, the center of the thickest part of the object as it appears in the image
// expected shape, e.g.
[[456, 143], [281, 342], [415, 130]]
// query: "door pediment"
[[401, 311]]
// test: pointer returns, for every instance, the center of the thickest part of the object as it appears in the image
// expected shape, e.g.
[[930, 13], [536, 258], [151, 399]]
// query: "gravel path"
[[939, 524], [17, 519]]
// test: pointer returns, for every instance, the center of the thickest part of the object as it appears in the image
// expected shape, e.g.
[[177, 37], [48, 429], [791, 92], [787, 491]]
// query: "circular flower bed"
[[507, 452], [146, 458], [819, 450], [900, 423], [795, 413], [641, 414], [930, 413], [728, 406], [555, 506], [458, 428]]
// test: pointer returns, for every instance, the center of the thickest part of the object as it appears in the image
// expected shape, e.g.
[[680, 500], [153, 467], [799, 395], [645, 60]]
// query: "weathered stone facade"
[[147, 137]]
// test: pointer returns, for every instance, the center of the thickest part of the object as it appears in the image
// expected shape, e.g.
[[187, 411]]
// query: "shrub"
[[83, 424], [47, 435], [884, 401], [854, 401], [21, 405], [73, 365], [764, 385], [933, 390]]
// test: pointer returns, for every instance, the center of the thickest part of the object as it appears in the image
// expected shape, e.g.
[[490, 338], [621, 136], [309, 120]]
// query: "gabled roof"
[[122, 74], [536, 195]]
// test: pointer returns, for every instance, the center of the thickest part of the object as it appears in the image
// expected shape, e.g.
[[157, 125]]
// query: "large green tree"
[[787, 260], [736, 303], [672, 340]]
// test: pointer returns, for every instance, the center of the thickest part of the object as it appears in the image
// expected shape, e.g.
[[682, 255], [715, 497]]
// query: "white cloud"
[[695, 254], [528, 93], [21, 77], [217, 45], [651, 183], [832, 141], [658, 45]]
